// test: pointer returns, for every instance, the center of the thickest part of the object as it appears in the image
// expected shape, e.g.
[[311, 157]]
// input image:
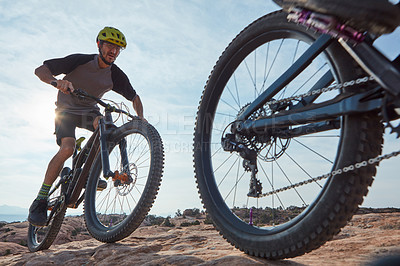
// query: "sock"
[[43, 192]]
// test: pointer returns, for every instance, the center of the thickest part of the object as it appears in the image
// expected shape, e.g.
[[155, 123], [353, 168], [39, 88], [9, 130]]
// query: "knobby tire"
[[133, 217], [360, 139]]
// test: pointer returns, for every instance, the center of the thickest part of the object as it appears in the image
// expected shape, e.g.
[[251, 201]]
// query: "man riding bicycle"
[[94, 73]]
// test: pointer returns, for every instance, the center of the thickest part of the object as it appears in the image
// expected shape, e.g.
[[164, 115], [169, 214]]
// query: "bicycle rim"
[[40, 238]]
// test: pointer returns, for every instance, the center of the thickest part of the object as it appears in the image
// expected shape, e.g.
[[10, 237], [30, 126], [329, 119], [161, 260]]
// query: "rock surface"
[[365, 238]]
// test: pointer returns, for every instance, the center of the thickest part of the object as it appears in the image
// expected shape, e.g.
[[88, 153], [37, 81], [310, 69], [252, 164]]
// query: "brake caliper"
[[122, 178]]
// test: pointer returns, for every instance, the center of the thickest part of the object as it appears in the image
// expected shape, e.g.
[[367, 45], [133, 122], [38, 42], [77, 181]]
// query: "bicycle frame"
[[97, 143], [370, 59], [87, 155]]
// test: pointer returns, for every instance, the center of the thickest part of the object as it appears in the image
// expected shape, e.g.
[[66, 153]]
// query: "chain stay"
[[346, 169]]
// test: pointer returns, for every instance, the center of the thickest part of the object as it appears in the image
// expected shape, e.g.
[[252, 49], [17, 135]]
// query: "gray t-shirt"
[[84, 72]]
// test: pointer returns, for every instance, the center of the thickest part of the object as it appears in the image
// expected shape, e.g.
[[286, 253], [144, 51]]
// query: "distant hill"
[[6, 209]]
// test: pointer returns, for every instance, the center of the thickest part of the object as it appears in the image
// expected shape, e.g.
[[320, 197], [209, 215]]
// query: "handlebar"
[[82, 94]]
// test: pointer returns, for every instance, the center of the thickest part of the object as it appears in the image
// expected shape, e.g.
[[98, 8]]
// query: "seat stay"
[[323, 82], [301, 63], [376, 65]]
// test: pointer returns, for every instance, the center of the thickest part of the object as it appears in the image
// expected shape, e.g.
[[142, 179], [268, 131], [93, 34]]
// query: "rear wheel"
[[115, 212], [299, 219], [40, 238]]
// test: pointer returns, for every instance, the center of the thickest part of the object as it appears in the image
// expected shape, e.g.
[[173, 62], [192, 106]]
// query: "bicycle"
[[130, 158], [290, 124]]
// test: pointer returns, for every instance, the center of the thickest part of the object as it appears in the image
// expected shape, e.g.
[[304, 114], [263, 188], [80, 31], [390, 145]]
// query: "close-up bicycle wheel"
[[281, 213], [40, 238], [137, 156]]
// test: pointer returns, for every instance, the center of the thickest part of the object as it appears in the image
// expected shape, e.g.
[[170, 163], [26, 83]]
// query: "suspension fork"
[[105, 160], [105, 126], [124, 154]]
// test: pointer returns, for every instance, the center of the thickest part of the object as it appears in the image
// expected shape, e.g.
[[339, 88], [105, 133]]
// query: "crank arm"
[[55, 208]]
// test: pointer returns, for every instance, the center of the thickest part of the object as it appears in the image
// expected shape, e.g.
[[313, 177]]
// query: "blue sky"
[[172, 47]]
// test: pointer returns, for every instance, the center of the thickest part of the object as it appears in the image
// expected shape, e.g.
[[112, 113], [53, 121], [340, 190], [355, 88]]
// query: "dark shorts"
[[66, 123]]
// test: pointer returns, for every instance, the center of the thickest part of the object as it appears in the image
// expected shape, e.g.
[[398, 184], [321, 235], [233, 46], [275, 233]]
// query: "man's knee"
[[96, 122], [67, 147]]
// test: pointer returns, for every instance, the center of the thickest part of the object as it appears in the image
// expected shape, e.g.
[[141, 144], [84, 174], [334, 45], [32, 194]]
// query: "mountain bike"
[[289, 129], [130, 157]]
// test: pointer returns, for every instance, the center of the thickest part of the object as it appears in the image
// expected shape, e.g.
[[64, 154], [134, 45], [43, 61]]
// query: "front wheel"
[[137, 155], [252, 214]]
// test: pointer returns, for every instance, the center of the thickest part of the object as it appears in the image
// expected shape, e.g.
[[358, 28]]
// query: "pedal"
[[102, 185]]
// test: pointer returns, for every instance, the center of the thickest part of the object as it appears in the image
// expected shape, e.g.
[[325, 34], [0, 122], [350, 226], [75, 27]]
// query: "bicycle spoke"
[[133, 198], [223, 163], [233, 97], [271, 184], [237, 177], [304, 171], [230, 168], [252, 80], [236, 87], [312, 150], [265, 77], [290, 182], [219, 149], [228, 104], [228, 115], [272, 65], [307, 80], [234, 186]]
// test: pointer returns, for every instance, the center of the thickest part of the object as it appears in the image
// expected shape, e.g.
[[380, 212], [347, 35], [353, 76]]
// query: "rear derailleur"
[[249, 156]]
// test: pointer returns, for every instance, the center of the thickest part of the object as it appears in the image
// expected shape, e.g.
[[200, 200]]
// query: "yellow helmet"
[[112, 35]]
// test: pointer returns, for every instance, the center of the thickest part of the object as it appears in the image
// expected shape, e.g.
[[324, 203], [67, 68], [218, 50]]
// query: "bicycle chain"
[[323, 90], [346, 169]]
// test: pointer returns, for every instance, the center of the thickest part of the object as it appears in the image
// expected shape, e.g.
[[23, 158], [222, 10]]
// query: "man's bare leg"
[[66, 150], [38, 209]]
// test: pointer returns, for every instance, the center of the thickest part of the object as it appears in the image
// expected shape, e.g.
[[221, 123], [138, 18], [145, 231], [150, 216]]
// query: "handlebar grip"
[[80, 93], [54, 83]]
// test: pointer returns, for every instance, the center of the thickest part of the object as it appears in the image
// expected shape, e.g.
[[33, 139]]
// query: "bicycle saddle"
[[375, 16]]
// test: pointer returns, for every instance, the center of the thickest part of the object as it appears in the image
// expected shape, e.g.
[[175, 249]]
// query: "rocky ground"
[[367, 237]]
